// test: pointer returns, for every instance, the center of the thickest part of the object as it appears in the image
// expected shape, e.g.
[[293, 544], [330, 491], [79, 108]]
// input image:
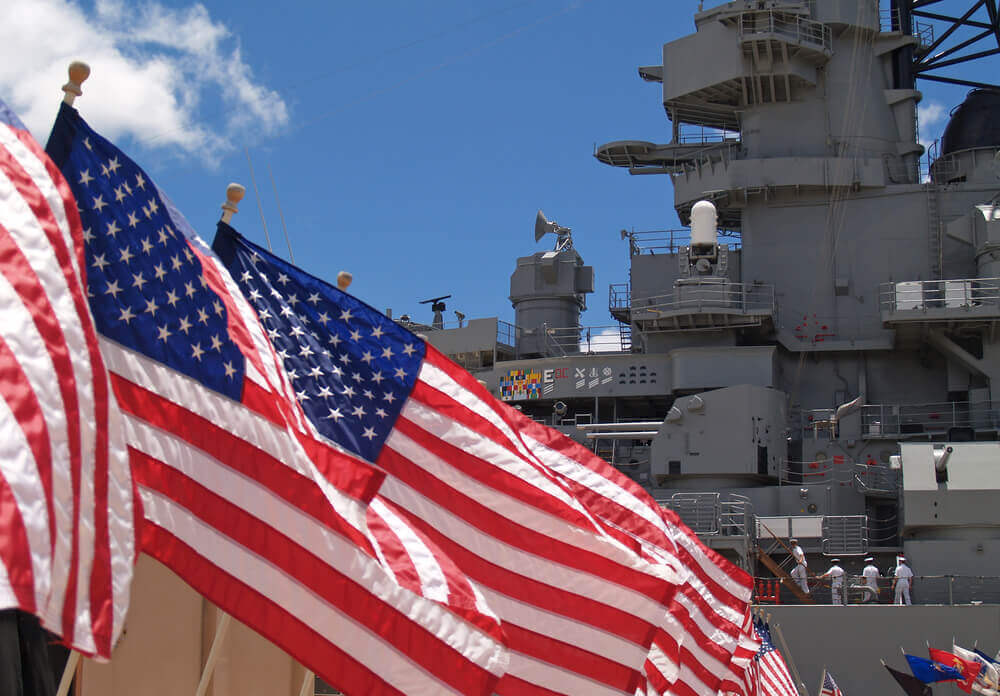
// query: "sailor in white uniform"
[[871, 576], [902, 582], [800, 571], [836, 575]]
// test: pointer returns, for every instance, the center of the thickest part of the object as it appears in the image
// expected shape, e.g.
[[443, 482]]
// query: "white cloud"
[[152, 68], [931, 118], [601, 339]]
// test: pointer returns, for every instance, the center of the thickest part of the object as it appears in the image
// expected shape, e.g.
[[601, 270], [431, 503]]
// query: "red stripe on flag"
[[352, 600], [239, 455], [101, 609], [497, 525], [284, 629], [560, 601]]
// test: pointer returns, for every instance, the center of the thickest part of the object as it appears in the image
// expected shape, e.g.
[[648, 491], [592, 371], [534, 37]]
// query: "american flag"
[[579, 605], [270, 526], [770, 675], [702, 646], [829, 687], [67, 538]]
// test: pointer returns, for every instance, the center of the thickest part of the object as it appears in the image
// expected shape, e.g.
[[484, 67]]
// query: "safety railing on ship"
[[708, 514], [761, 24], [575, 340], [946, 590], [867, 476], [922, 295], [845, 535], [889, 21], [670, 241], [748, 298], [894, 420]]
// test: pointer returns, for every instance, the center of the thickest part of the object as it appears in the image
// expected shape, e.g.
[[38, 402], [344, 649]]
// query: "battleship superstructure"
[[816, 355]]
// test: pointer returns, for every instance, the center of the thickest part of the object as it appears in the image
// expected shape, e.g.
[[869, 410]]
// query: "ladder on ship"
[[625, 336], [934, 231], [786, 579]]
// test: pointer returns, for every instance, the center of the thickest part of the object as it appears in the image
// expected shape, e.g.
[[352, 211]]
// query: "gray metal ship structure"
[[816, 354]]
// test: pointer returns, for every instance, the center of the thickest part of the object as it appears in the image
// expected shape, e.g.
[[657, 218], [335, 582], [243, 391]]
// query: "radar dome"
[[974, 123], [704, 224]]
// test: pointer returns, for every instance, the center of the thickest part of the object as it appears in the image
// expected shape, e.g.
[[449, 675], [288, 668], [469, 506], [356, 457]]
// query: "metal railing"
[[893, 420], [707, 514], [923, 295], [745, 298], [689, 134], [864, 476], [889, 21], [947, 590], [799, 30], [574, 340], [507, 333], [699, 511], [736, 517], [845, 535], [670, 241]]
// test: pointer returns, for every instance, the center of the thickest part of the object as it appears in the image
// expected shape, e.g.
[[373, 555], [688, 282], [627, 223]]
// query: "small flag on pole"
[[910, 684], [829, 686], [929, 671]]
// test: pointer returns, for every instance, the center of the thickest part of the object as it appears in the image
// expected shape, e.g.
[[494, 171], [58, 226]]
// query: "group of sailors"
[[901, 577]]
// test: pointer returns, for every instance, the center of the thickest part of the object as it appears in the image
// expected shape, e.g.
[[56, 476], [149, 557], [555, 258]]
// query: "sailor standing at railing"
[[800, 571], [871, 576], [836, 575], [902, 582]]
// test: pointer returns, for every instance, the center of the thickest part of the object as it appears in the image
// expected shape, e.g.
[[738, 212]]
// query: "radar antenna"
[[437, 306], [564, 235]]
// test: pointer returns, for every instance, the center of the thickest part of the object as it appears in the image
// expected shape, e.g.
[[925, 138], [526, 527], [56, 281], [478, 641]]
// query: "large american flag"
[[271, 526], [67, 539], [580, 598]]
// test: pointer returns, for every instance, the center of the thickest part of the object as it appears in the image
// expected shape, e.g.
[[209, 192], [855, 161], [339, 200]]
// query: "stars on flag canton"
[[352, 368], [146, 287]]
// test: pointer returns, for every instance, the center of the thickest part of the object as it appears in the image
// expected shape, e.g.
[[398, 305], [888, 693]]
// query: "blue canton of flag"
[[146, 287], [764, 633], [352, 368]]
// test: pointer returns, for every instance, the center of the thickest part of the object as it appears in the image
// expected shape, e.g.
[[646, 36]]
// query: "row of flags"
[[971, 670], [313, 468]]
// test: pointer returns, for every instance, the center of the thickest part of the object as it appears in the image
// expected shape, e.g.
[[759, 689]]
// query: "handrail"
[[748, 298], [947, 590], [889, 420], [952, 293], [799, 29], [670, 241]]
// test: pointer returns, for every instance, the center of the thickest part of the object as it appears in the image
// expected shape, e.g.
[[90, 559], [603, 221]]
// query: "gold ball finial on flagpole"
[[234, 194], [78, 73], [344, 279]]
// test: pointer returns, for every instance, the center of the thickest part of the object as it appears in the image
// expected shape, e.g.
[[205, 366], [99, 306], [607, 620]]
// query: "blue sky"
[[410, 143]]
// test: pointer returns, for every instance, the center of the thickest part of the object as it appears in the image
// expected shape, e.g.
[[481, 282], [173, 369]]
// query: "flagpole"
[[822, 678], [70, 670], [307, 680], [791, 661], [78, 73], [221, 627]]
